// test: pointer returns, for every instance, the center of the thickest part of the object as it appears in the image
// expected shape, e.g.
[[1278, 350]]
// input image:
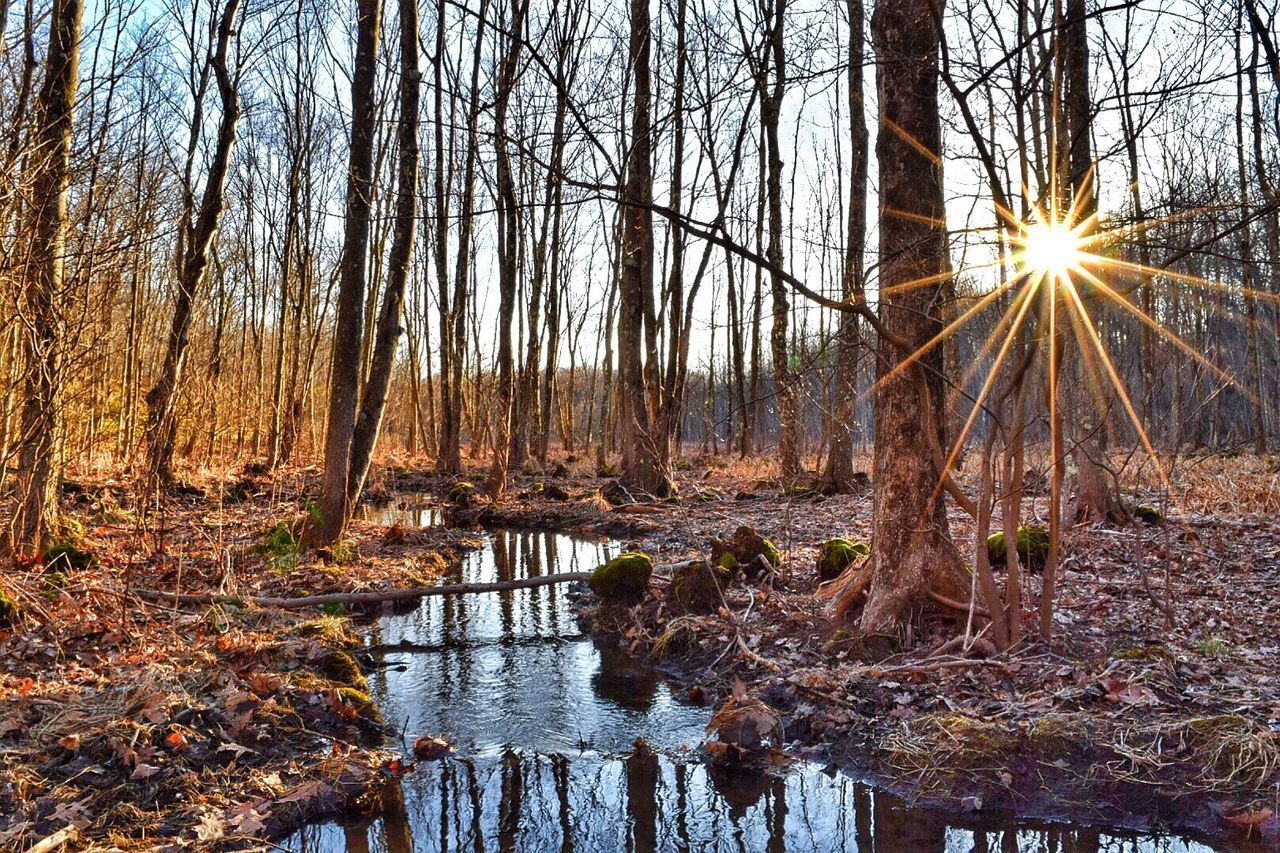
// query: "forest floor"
[[134, 723], [139, 722]]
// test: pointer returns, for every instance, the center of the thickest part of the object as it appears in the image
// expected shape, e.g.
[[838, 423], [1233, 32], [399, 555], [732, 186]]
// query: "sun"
[[1051, 249]]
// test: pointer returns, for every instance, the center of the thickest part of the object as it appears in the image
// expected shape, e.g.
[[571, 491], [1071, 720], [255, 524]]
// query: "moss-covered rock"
[[1148, 514], [616, 494], [837, 555], [624, 578], [66, 557], [364, 705], [10, 610], [462, 492], [746, 547], [607, 470], [1033, 545], [343, 668], [52, 582], [697, 587]]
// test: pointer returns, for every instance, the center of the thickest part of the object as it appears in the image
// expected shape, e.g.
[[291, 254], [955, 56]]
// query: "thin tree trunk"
[[197, 250], [838, 476], [374, 399], [344, 376], [643, 463], [35, 511]]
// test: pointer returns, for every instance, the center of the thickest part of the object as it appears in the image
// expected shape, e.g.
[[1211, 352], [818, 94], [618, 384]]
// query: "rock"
[[65, 557], [561, 471], [462, 492], [10, 610], [608, 471], [697, 587], [555, 493], [743, 552], [1033, 545], [624, 578], [616, 493], [1148, 514], [837, 555]]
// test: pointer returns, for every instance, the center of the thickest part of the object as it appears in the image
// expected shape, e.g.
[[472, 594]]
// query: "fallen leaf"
[[144, 771], [432, 747]]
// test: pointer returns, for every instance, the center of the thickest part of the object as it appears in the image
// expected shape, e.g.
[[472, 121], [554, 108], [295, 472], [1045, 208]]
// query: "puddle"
[[544, 723], [407, 512]]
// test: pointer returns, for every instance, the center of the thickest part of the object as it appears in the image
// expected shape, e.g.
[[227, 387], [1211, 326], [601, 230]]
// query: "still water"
[[544, 723]]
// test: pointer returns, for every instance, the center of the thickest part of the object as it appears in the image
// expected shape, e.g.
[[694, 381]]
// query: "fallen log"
[[358, 598], [379, 597]]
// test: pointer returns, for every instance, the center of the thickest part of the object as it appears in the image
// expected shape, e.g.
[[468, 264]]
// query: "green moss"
[[625, 577], [331, 627], [608, 471], [68, 529], [798, 491], [745, 549], [364, 705], [837, 555], [343, 668], [10, 610], [1148, 514], [66, 557], [461, 492], [279, 544], [1033, 545], [696, 588], [771, 553], [52, 582]]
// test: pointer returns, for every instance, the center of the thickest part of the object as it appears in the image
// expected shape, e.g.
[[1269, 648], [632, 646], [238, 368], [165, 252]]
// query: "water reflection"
[[545, 723], [407, 512]]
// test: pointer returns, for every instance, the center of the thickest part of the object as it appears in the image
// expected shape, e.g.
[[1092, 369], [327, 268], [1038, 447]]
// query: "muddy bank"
[[128, 722]]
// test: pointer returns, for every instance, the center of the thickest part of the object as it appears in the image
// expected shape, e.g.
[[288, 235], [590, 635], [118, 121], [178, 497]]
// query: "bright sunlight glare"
[[1051, 248]]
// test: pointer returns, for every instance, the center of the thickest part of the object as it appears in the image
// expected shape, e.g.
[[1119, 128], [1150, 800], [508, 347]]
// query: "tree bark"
[[642, 455], [195, 257], [771, 94], [911, 552], [838, 476], [374, 399], [508, 255], [344, 375], [36, 504]]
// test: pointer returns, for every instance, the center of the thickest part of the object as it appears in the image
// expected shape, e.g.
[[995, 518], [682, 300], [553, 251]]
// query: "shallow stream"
[[544, 722]]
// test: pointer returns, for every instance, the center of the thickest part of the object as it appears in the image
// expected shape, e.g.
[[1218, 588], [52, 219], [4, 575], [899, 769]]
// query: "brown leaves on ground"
[[127, 719]]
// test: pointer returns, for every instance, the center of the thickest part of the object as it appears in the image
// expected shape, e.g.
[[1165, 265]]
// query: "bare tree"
[[35, 511], [198, 232], [344, 379]]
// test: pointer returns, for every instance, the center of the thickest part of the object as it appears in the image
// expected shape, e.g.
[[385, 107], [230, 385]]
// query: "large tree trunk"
[[196, 254], [838, 475], [374, 399], [35, 510], [642, 454], [344, 375], [911, 553]]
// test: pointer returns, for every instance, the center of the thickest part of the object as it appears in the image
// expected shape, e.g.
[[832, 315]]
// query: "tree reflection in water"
[[546, 723]]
